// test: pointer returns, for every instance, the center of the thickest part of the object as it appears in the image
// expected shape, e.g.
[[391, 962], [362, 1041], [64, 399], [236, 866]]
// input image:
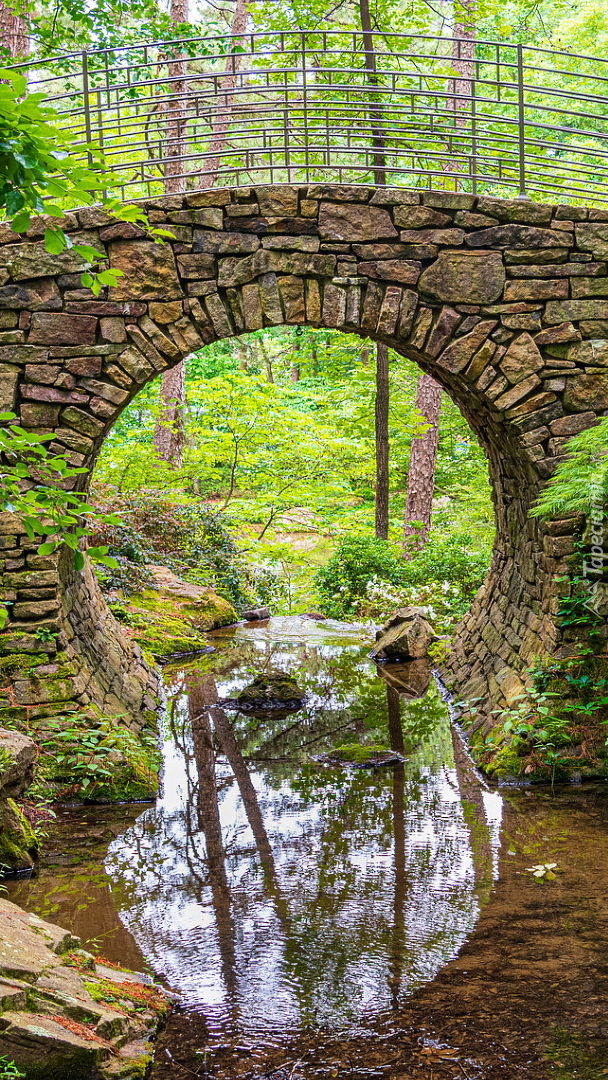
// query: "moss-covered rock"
[[64, 1013], [270, 691], [174, 616], [18, 843]]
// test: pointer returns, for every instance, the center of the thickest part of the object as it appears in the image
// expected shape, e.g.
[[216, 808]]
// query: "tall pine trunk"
[[382, 444], [423, 460], [13, 32], [169, 435], [170, 432]]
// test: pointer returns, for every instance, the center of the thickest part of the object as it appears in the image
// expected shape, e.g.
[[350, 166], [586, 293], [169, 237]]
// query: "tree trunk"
[[381, 430], [463, 51], [13, 32], [170, 432], [423, 459], [375, 113], [223, 117]]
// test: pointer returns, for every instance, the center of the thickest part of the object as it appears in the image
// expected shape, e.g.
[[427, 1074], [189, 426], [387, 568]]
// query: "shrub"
[[357, 560], [369, 578], [191, 539]]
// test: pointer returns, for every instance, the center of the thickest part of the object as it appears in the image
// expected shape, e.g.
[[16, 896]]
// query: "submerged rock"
[[407, 635], [276, 690], [62, 1013], [358, 756]]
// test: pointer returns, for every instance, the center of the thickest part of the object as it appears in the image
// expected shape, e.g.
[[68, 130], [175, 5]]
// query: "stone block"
[[210, 218], [442, 331], [461, 351], [277, 201], [231, 243], [586, 393], [516, 236], [593, 238], [291, 289], [458, 277], [537, 289], [355, 223], [391, 270], [521, 359], [420, 217], [149, 271], [82, 422], [271, 300], [252, 307], [558, 311], [407, 311]]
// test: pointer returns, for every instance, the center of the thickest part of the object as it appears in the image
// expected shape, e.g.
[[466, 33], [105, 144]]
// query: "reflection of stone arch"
[[495, 299]]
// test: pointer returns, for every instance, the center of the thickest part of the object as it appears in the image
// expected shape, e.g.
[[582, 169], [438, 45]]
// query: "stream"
[[320, 920]]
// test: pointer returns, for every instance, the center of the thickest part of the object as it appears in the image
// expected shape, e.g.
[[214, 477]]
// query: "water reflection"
[[275, 893]]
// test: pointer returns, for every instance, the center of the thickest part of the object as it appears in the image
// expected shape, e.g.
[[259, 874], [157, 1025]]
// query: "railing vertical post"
[[305, 108], [521, 121], [474, 129], [86, 103]]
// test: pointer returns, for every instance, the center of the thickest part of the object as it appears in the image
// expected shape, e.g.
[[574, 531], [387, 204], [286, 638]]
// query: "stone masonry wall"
[[505, 303]]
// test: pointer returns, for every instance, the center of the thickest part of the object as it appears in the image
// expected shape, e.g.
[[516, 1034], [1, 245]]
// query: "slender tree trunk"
[[170, 432], [381, 431], [377, 138], [463, 51], [13, 32], [223, 117], [423, 459]]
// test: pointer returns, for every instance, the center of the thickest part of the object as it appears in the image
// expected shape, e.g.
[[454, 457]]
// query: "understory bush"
[[369, 578], [190, 538]]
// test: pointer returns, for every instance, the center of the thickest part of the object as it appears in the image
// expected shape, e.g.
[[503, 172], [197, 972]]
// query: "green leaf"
[[78, 560], [47, 549], [54, 241]]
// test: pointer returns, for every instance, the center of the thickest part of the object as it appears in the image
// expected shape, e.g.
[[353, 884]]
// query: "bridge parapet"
[[289, 107]]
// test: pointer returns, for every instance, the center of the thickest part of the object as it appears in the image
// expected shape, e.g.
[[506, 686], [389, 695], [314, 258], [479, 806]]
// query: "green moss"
[[270, 689], [576, 1056], [18, 843], [166, 624], [128, 996], [356, 753]]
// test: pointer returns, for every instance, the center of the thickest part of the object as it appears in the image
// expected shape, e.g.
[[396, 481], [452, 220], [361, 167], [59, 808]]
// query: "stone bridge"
[[505, 303]]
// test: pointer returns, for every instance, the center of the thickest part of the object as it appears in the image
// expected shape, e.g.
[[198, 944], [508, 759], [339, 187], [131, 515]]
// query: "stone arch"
[[501, 301]]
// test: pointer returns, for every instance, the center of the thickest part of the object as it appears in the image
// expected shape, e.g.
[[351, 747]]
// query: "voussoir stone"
[[149, 271], [522, 359], [341, 221], [462, 277]]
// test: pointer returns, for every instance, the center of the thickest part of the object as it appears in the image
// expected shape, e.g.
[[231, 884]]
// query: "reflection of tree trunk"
[[199, 694], [382, 444], [230, 748], [395, 731], [423, 461]]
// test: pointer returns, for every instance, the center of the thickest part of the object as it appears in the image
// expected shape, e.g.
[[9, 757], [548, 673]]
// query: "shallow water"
[[281, 897]]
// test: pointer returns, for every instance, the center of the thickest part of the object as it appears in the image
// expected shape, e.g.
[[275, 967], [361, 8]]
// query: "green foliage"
[[9, 1071], [99, 759], [581, 481], [368, 577], [343, 582], [191, 538]]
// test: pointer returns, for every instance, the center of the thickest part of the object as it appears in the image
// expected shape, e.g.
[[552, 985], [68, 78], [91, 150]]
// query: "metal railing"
[[290, 107]]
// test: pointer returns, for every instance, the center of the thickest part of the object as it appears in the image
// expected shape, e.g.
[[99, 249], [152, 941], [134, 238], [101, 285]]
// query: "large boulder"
[[18, 843], [17, 759], [407, 635]]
